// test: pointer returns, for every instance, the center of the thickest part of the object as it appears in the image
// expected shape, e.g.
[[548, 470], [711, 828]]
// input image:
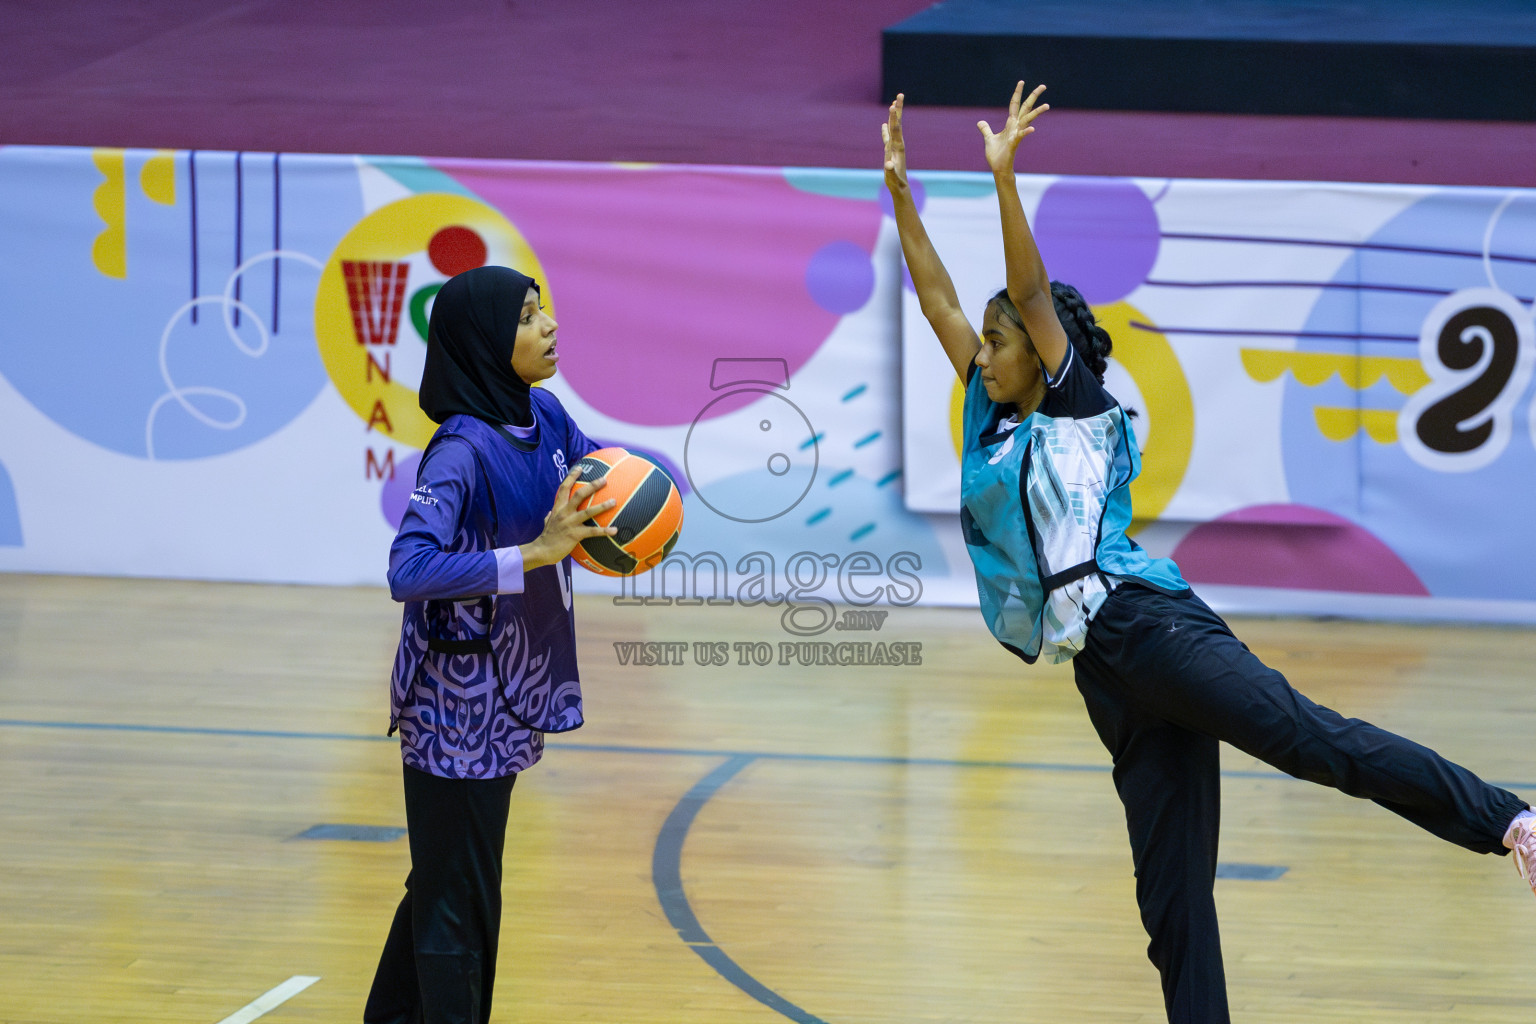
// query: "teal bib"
[[1053, 492]]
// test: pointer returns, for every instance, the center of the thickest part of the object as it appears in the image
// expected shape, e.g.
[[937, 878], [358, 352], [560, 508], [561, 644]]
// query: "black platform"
[[1444, 59]]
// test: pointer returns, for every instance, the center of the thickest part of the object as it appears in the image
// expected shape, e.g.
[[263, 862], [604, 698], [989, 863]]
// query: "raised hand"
[[895, 148], [1002, 146]]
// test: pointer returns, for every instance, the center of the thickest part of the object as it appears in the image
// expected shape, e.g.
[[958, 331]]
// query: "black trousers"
[[1164, 680], [439, 962]]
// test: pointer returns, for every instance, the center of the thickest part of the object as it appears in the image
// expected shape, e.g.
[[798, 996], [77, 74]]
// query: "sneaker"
[[1521, 840]]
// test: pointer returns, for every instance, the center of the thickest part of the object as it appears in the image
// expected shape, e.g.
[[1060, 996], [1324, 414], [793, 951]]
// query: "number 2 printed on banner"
[[1478, 346]]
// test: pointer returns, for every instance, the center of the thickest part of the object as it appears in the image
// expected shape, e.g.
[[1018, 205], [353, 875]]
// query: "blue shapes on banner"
[[949, 185], [399, 482], [10, 513], [1100, 236], [1349, 447], [419, 176], [839, 183], [840, 277], [852, 513], [117, 345]]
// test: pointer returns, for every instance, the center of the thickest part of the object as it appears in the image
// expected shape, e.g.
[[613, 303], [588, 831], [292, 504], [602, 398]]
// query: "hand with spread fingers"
[[1002, 146]]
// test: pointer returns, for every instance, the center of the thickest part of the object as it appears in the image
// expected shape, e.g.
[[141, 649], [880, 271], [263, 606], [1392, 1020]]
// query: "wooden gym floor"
[[934, 842]]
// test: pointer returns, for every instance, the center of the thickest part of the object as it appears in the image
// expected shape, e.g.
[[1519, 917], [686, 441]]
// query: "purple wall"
[[692, 81]]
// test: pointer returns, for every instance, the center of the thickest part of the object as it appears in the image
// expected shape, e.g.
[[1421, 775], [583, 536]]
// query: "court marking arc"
[[667, 877], [666, 857]]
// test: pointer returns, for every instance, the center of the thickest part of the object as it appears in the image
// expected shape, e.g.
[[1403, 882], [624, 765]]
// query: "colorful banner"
[[1332, 383], [209, 368]]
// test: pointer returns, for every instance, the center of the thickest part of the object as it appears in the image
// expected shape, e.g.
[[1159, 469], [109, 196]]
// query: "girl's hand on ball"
[[567, 525]]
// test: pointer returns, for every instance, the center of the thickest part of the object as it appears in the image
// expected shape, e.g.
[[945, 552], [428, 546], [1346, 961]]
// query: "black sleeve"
[[1075, 393]]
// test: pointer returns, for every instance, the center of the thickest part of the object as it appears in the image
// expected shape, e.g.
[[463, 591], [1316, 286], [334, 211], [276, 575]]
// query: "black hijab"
[[469, 348]]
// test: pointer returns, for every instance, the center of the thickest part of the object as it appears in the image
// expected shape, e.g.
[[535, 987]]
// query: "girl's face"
[[1009, 367], [533, 351]]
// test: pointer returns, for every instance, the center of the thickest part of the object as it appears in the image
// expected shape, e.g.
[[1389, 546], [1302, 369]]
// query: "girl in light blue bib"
[[1047, 461]]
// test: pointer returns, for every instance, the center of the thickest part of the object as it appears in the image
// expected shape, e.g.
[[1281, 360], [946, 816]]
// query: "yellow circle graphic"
[[957, 415], [1152, 364], [1149, 359], [392, 234]]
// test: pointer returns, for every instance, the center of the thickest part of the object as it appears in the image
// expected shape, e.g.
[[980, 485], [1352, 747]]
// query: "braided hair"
[[1092, 342]]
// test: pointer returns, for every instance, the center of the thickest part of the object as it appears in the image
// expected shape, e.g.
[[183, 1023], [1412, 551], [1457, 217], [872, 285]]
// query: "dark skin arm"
[[935, 290], [1029, 286]]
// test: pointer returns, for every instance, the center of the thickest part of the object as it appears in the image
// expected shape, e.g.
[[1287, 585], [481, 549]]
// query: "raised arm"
[[1028, 284], [935, 291]]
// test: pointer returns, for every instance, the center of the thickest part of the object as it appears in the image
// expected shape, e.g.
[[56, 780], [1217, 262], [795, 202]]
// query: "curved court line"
[[667, 876]]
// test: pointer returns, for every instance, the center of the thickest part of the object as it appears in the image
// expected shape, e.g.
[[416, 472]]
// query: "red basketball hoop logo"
[[375, 293], [373, 300]]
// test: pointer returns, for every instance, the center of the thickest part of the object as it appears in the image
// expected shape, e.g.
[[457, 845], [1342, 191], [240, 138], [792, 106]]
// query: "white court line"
[[271, 1000]]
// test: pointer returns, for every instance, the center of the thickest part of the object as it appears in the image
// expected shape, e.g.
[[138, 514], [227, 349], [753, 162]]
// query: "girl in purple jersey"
[[487, 657]]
